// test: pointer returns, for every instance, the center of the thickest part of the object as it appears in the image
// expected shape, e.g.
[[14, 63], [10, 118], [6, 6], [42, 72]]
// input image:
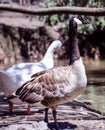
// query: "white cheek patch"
[[77, 21]]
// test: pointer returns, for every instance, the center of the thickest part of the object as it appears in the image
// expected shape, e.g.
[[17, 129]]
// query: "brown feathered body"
[[55, 86]]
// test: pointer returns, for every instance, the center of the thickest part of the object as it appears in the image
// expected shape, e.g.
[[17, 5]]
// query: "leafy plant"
[[54, 19]]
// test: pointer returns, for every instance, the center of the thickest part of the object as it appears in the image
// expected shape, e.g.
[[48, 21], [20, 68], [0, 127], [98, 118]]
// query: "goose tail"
[[12, 96]]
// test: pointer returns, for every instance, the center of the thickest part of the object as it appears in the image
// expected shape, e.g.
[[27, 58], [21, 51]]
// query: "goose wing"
[[49, 84], [39, 73]]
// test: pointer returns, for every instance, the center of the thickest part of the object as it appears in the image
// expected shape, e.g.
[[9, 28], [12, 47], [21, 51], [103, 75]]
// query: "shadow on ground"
[[62, 126]]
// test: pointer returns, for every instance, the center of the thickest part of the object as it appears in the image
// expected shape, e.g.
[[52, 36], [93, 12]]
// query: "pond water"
[[96, 96], [95, 91]]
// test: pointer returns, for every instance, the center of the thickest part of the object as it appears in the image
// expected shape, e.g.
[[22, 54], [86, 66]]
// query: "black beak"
[[86, 21]]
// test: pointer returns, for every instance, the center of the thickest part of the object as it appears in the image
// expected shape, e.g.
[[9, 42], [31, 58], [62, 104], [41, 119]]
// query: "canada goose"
[[61, 84], [15, 76]]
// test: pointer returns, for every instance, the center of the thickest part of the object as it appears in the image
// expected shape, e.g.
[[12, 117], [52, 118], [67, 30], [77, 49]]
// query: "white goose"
[[59, 85], [15, 76]]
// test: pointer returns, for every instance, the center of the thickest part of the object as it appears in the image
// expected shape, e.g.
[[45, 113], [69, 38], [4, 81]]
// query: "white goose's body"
[[12, 78], [58, 85]]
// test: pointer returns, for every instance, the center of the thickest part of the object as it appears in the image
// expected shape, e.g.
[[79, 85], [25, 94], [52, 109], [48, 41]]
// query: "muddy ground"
[[73, 116]]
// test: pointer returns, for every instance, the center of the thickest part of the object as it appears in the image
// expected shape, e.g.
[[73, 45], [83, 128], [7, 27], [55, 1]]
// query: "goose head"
[[78, 20], [56, 44], [57, 47], [48, 59]]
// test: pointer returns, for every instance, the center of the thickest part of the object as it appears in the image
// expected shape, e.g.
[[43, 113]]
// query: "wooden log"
[[54, 10]]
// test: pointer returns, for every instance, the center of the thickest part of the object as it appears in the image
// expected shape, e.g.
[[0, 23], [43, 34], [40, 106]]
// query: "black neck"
[[74, 49]]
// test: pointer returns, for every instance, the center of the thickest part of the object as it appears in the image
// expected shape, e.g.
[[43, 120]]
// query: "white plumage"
[[12, 78]]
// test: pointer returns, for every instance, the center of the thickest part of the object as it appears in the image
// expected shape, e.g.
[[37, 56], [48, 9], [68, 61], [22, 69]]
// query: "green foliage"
[[92, 35], [54, 19]]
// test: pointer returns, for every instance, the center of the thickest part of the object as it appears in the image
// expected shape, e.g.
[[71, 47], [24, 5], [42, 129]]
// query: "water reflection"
[[95, 95]]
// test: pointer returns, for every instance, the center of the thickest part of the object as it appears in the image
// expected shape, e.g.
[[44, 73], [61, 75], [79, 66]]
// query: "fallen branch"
[[53, 10]]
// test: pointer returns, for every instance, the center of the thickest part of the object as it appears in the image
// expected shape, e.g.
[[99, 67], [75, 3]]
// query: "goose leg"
[[10, 107], [28, 112], [46, 115], [55, 119]]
